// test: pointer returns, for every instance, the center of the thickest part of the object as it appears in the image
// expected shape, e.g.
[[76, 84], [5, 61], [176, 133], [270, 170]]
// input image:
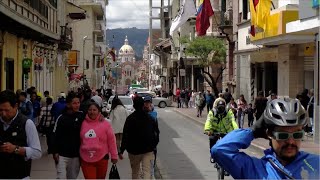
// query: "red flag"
[[202, 21], [113, 54]]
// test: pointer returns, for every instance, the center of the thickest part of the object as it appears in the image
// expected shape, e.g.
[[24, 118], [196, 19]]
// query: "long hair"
[[115, 102]]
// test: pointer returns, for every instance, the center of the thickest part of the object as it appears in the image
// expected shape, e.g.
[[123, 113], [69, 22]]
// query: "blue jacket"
[[153, 114], [242, 166], [58, 108]]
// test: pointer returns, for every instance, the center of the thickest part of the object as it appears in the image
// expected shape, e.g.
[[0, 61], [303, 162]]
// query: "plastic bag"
[[114, 174]]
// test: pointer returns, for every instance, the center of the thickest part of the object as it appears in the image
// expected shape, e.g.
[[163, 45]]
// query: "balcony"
[[97, 51], [65, 42], [98, 28]]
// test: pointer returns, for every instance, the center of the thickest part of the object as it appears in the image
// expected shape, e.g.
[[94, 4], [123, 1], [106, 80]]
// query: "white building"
[[90, 40], [127, 61]]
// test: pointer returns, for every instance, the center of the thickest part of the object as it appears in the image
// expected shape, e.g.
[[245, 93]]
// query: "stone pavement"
[[307, 144], [44, 168]]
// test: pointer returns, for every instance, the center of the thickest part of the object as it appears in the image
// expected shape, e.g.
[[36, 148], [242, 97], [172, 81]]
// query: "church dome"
[[126, 48]]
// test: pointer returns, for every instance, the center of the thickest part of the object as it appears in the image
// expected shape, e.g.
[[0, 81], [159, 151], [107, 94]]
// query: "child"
[[249, 111]]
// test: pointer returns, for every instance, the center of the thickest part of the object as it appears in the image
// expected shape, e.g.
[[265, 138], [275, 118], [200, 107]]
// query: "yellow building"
[[33, 39]]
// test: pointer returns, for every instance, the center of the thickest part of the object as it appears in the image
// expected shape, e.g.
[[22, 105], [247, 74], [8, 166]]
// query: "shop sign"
[[73, 57], [26, 63]]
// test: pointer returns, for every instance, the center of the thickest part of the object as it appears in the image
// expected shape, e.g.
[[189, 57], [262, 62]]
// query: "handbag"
[[114, 174]]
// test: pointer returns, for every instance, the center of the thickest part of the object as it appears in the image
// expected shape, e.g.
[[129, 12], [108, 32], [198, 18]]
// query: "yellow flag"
[[253, 13], [263, 11]]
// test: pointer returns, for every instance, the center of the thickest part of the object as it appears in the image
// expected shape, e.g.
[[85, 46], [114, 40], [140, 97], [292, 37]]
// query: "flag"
[[259, 10], [113, 54], [187, 9], [204, 13]]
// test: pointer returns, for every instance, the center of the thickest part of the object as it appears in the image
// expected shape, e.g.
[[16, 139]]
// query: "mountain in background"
[[137, 39]]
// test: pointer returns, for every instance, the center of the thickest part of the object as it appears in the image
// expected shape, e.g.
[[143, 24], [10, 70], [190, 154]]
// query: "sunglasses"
[[285, 135]]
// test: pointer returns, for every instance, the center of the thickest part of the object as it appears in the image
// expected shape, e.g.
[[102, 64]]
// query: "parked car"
[[126, 101], [156, 101]]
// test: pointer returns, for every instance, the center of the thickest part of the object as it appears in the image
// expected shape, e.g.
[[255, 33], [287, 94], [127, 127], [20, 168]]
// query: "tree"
[[208, 51]]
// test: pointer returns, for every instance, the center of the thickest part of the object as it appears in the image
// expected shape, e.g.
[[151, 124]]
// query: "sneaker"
[[226, 173], [197, 115]]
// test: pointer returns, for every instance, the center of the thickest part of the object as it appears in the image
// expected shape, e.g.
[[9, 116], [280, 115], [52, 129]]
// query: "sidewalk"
[[307, 144], [44, 168]]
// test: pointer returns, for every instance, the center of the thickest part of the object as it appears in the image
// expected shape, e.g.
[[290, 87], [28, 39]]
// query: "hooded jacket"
[[242, 166]]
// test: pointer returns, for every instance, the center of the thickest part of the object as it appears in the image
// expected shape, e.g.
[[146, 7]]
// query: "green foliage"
[[208, 50]]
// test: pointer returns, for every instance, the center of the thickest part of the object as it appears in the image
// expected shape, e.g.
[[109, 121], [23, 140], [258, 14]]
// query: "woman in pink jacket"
[[97, 144]]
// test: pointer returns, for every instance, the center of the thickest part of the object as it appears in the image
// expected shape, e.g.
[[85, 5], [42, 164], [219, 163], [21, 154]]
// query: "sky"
[[130, 13]]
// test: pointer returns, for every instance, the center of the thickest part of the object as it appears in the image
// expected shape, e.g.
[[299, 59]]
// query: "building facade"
[[128, 64], [90, 42], [34, 39]]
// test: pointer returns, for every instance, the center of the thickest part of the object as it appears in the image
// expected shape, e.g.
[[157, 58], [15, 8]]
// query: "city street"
[[183, 151]]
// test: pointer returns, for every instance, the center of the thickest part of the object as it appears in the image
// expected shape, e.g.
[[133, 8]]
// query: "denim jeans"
[[240, 119]]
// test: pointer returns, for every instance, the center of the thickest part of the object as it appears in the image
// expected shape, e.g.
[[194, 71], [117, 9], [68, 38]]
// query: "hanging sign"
[[26, 63]]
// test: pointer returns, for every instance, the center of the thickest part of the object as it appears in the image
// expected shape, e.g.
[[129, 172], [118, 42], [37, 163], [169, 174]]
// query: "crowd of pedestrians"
[[77, 134]]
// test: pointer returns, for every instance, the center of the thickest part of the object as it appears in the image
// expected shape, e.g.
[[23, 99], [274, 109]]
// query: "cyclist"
[[282, 123], [219, 121]]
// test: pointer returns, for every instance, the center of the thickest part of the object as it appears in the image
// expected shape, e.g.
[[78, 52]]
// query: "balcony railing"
[[65, 38]]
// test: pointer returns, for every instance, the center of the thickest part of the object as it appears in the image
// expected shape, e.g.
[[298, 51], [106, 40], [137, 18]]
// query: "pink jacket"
[[97, 140]]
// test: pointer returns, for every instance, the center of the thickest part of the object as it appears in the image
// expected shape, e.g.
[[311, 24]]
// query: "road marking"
[[167, 111]]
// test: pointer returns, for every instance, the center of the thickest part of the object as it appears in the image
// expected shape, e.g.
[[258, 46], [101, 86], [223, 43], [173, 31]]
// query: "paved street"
[[183, 151]]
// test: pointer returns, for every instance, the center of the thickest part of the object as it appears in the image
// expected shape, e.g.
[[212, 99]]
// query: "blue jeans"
[[240, 119]]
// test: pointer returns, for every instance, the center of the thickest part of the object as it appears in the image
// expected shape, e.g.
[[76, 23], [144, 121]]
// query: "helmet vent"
[[291, 121], [276, 116], [282, 107], [295, 107]]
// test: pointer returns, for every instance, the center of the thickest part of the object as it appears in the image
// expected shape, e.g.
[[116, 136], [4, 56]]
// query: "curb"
[[202, 124]]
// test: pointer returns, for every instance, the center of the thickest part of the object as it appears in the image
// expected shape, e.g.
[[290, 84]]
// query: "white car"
[[156, 101], [126, 101]]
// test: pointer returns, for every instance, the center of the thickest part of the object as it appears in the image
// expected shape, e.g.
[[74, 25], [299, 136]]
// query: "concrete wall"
[[290, 71], [245, 78]]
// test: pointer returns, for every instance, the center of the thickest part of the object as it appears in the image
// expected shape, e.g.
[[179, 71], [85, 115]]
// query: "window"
[[87, 64], [99, 38], [99, 18], [245, 9]]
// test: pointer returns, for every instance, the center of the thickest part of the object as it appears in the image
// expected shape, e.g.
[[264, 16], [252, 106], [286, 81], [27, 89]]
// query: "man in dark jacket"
[[19, 140], [66, 142], [140, 138], [260, 104]]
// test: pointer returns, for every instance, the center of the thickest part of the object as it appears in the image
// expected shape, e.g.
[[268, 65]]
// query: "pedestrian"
[[192, 99], [47, 122], [209, 100], [242, 106], [36, 107], [58, 107], [178, 97], [182, 98], [97, 144], [170, 95], [66, 141], [118, 116], [97, 99], [187, 97], [260, 103], [86, 100], [25, 106], [140, 138], [200, 103], [227, 96], [148, 107], [233, 106], [310, 110], [249, 111], [282, 125], [43, 101], [19, 140]]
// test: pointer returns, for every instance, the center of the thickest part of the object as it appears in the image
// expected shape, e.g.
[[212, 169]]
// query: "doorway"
[[9, 73]]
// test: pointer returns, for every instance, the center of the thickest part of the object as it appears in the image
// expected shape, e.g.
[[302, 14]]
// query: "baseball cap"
[[147, 98], [98, 100]]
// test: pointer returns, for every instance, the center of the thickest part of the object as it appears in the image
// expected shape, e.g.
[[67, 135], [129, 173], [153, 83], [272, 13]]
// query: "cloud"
[[130, 13]]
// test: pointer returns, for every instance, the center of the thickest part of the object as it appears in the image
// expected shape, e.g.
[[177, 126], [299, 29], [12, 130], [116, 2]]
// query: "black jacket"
[[140, 134], [66, 141]]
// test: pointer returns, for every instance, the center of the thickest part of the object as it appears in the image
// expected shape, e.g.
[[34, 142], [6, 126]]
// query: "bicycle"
[[221, 171]]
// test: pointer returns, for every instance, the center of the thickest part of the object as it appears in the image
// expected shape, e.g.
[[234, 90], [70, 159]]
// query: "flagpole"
[[150, 41]]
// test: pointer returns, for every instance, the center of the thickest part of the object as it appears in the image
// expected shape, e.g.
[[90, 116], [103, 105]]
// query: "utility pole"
[[150, 41]]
